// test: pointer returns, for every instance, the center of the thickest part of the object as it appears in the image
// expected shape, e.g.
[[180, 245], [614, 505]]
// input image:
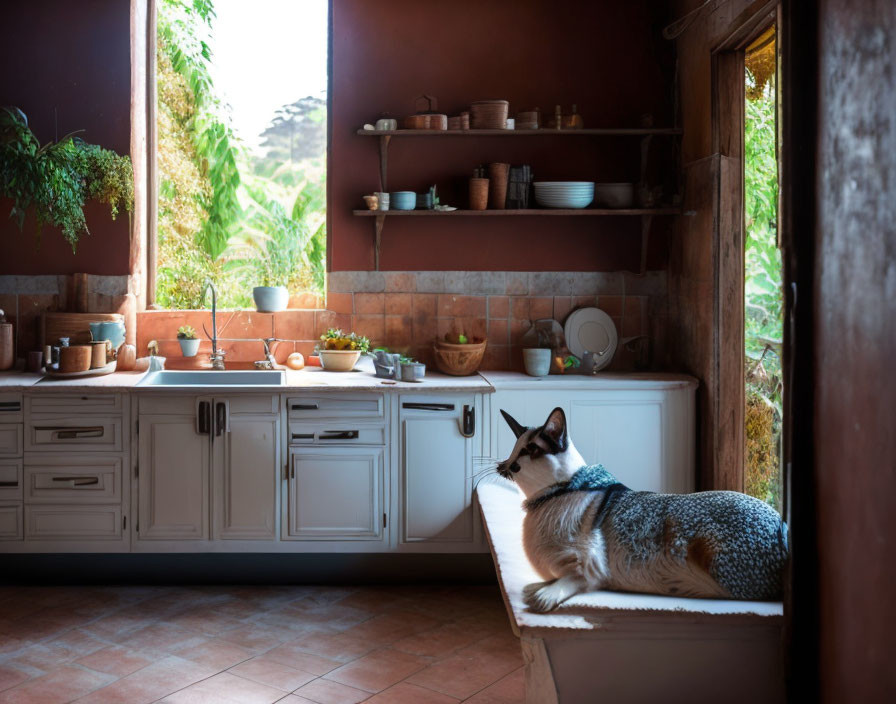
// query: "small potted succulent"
[[339, 351], [189, 343]]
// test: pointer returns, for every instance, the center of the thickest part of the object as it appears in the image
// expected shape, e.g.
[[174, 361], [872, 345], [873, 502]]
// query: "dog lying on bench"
[[584, 530]]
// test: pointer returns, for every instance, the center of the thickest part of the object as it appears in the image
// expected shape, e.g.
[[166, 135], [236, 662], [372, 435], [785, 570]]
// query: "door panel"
[[336, 493], [173, 483], [246, 475]]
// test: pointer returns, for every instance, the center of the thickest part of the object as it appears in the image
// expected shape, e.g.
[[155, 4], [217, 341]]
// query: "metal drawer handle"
[[64, 433], [10, 406], [339, 435], [304, 407], [9, 483], [428, 406], [78, 481], [303, 436]]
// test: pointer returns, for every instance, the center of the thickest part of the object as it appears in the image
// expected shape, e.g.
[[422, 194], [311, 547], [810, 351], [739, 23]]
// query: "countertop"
[[317, 379]]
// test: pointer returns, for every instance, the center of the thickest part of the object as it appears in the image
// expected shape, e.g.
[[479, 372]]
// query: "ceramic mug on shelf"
[[100, 353], [112, 330], [537, 361], [382, 199]]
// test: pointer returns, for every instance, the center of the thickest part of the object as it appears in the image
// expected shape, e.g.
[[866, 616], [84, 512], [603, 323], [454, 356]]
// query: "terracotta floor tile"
[[503, 644], [115, 660], [508, 690], [257, 638], [161, 639], [272, 673], [388, 627], [217, 653], [336, 646], [404, 693], [63, 649], [119, 623], [205, 620], [326, 692], [289, 654], [293, 699], [225, 687], [322, 595], [337, 616], [375, 600], [443, 640], [11, 676], [462, 676], [63, 684], [8, 644], [156, 681], [378, 670]]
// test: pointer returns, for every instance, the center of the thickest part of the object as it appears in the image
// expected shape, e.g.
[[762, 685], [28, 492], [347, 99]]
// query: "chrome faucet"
[[217, 356], [269, 362]]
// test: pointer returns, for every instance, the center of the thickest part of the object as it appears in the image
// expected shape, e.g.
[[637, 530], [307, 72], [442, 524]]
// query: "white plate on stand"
[[591, 330]]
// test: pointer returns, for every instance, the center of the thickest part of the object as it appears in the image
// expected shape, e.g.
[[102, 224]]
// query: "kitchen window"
[[238, 144]]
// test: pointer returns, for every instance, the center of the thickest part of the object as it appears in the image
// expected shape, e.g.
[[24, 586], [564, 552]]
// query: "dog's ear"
[[514, 426], [555, 428]]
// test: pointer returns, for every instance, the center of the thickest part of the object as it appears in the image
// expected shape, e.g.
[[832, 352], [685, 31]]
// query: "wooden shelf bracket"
[[377, 238]]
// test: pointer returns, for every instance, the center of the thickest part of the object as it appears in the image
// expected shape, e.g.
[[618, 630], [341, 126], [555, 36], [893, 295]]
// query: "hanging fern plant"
[[56, 179]]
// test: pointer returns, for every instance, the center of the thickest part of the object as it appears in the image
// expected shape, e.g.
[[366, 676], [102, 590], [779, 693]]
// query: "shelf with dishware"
[[517, 211]]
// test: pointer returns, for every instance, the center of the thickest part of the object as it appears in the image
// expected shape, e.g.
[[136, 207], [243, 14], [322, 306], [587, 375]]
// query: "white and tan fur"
[[559, 538]]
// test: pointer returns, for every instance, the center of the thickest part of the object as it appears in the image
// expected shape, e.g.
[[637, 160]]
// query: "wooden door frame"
[[727, 406]]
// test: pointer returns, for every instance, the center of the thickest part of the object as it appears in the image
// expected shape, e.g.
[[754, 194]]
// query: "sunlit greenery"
[[225, 213], [763, 295]]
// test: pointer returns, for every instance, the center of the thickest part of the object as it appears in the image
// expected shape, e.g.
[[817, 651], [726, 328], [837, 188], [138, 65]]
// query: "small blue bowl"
[[403, 200]]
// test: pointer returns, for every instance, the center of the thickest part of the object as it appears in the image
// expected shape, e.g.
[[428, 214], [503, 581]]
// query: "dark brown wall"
[[606, 57], [855, 346], [67, 66]]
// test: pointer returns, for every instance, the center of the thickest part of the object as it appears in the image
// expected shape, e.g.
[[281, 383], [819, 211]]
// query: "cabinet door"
[[625, 434], [436, 475], [531, 408], [246, 472], [336, 493], [173, 480]]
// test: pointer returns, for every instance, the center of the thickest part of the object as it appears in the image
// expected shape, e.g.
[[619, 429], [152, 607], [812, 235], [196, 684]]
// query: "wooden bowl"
[[459, 360], [339, 360]]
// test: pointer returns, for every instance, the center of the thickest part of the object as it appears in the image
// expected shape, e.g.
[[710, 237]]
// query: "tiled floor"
[[219, 645]]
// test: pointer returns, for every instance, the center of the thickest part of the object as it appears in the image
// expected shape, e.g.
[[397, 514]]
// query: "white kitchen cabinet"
[[336, 494], [246, 473], [11, 521], [436, 477], [174, 459]]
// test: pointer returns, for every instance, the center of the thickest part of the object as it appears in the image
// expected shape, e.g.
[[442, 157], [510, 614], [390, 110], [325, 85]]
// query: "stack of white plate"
[[564, 194]]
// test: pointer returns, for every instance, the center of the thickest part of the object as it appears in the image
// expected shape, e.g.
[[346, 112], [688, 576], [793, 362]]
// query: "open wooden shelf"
[[574, 212], [595, 132]]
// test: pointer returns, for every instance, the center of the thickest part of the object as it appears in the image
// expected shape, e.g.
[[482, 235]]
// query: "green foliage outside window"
[[225, 213], [763, 297]]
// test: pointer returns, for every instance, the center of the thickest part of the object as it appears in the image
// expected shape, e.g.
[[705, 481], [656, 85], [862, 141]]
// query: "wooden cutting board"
[[73, 325]]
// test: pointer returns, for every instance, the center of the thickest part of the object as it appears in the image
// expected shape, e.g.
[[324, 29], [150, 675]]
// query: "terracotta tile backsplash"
[[400, 310]]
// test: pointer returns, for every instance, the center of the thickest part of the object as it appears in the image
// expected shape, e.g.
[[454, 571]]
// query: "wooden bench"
[[617, 647]]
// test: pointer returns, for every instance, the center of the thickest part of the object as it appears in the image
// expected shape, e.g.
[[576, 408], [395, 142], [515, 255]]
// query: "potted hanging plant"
[[189, 343], [56, 179]]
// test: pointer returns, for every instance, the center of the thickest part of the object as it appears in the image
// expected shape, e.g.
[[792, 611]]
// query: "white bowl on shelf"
[[564, 194]]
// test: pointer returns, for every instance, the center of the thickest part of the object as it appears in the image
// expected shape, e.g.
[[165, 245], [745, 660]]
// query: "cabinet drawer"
[[63, 404], [335, 433], [81, 479], [11, 522], [10, 408], [58, 434], [336, 406], [10, 480], [10, 439], [73, 522]]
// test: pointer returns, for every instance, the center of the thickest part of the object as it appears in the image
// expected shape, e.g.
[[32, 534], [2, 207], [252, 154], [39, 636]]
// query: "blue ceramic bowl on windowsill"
[[403, 200]]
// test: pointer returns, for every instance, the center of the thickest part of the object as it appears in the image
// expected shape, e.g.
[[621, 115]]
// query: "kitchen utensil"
[[413, 371], [56, 374], [99, 352], [126, 358], [7, 345], [591, 330], [402, 200], [382, 200], [478, 193], [339, 360], [564, 194], [537, 361], [34, 362], [459, 360], [497, 185], [75, 358], [372, 202], [489, 114], [614, 195], [75, 326]]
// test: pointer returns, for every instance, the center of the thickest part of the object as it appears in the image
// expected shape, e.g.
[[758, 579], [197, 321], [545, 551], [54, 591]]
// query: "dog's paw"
[[542, 597]]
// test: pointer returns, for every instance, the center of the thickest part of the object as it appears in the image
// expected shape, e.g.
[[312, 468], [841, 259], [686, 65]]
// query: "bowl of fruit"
[[340, 352], [459, 354]]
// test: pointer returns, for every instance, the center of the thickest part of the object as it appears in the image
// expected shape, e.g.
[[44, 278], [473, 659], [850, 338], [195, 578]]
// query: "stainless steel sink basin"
[[245, 378]]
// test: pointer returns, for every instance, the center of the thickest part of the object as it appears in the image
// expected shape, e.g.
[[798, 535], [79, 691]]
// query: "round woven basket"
[[459, 360]]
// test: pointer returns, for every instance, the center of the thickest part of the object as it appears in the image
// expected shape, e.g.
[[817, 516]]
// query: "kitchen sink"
[[214, 378]]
